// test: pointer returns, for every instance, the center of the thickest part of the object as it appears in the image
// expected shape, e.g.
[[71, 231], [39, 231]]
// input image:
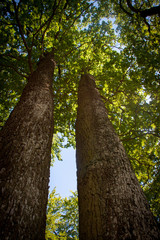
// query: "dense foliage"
[[124, 58], [62, 217]]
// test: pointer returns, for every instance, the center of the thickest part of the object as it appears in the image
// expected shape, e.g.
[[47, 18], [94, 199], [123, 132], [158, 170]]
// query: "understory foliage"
[[120, 48], [62, 217]]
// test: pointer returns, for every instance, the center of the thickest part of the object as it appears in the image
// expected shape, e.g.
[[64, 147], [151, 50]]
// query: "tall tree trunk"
[[25, 147], [112, 205]]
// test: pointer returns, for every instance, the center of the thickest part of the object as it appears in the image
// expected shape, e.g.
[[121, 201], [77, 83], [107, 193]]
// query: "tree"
[[26, 137], [111, 202], [141, 49], [62, 217], [25, 158]]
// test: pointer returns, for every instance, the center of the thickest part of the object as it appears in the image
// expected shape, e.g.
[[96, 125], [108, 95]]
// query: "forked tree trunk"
[[112, 205], [25, 147]]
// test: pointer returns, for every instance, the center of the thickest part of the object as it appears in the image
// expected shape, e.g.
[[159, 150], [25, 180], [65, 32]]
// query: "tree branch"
[[20, 26], [131, 7], [19, 4], [144, 13], [139, 134], [16, 70], [77, 18], [150, 12], [60, 20], [47, 22], [22, 35], [124, 10], [11, 56], [55, 6], [148, 25]]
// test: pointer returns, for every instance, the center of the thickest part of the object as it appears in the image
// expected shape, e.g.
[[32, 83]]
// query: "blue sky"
[[63, 173]]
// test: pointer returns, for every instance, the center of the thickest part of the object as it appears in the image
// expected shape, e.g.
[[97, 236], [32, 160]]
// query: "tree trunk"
[[112, 205], [25, 153]]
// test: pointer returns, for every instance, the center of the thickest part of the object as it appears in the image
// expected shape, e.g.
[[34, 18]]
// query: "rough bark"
[[25, 146], [112, 205]]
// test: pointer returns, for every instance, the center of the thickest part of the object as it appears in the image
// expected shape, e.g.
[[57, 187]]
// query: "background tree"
[[141, 49], [62, 217]]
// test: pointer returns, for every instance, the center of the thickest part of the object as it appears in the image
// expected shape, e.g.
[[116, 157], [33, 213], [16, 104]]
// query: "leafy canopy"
[[62, 217]]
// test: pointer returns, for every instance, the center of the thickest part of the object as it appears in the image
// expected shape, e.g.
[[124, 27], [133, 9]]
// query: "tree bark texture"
[[112, 205], [25, 153]]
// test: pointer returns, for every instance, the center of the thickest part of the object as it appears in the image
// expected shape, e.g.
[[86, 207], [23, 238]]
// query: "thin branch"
[[19, 5], [77, 18], [59, 70], [8, 24], [148, 25], [60, 19], [47, 22], [124, 10], [131, 7], [72, 49], [9, 9], [105, 99], [22, 35], [55, 6], [139, 134], [15, 69], [10, 55], [19, 25]]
